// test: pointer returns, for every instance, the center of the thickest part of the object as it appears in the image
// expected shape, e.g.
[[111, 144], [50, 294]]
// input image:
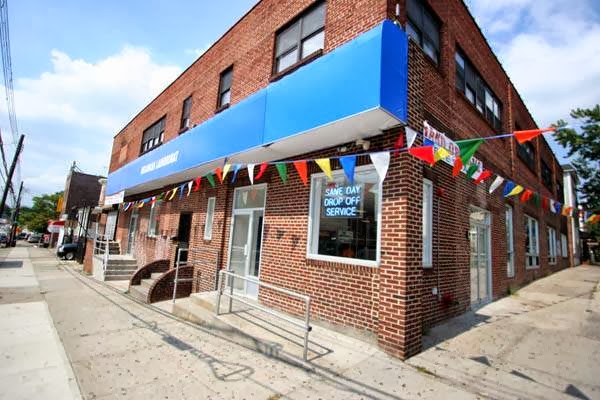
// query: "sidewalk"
[[33, 361]]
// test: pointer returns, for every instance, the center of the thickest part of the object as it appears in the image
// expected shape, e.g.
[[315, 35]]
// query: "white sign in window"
[[344, 223], [427, 223], [154, 221], [532, 252], [565, 250], [210, 215], [510, 245], [551, 246]]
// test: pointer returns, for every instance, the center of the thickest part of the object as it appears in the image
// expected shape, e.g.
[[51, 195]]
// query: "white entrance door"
[[481, 277], [246, 237], [111, 225], [133, 224]]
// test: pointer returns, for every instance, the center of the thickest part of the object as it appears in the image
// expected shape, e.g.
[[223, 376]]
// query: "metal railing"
[[304, 325], [179, 263], [102, 246]]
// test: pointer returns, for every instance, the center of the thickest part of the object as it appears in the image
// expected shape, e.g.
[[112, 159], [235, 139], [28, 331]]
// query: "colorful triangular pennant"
[[282, 170], [468, 149], [348, 165], [496, 184], [325, 166], [302, 169], [381, 162], [424, 153]]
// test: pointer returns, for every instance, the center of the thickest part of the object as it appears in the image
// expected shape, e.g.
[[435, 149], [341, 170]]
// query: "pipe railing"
[[304, 325]]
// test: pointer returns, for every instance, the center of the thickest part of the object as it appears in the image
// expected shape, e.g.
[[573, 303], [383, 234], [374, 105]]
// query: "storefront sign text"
[[439, 139], [161, 162], [343, 201]]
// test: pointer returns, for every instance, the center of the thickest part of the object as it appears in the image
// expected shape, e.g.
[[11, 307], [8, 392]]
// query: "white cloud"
[[550, 51], [197, 52], [72, 111]]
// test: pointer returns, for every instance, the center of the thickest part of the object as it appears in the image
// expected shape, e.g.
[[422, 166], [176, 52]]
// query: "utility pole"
[[13, 230], [11, 173]]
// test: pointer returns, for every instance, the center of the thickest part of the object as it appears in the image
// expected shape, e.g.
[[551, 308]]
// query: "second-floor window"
[[424, 28], [185, 113], [469, 82], [303, 37], [225, 87], [153, 136], [546, 175], [526, 152]]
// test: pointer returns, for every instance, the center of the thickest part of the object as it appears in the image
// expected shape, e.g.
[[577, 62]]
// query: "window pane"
[[226, 80], [431, 29], [415, 11], [470, 94], [460, 61], [430, 50], [225, 98], [287, 39], [313, 44], [250, 198], [287, 60], [346, 216], [427, 223], [413, 32], [210, 212], [313, 21]]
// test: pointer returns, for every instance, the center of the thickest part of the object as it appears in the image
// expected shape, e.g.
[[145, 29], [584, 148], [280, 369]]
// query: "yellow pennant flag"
[[518, 189], [325, 165], [226, 169], [172, 194], [441, 154]]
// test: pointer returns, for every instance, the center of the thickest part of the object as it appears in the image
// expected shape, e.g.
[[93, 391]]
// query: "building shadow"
[[453, 327], [11, 264]]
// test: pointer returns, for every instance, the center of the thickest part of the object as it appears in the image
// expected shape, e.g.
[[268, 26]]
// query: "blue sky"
[[82, 69]]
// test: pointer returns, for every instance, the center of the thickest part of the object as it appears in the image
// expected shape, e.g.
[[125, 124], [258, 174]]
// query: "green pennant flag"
[[211, 179], [282, 169], [471, 171], [536, 200], [468, 148]]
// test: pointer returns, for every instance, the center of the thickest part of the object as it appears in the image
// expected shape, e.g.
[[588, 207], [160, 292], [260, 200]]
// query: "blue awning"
[[353, 92]]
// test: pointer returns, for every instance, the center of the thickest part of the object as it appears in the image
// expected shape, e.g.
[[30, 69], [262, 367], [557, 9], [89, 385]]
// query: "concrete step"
[[206, 300], [138, 292], [120, 271], [147, 283], [116, 277], [121, 262], [482, 375], [156, 275]]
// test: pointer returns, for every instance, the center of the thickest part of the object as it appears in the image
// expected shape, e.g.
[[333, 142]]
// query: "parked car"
[[67, 251], [35, 238], [22, 236], [3, 239]]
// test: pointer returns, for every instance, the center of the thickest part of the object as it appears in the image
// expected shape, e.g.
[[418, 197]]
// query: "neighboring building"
[[574, 224], [304, 79], [79, 199]]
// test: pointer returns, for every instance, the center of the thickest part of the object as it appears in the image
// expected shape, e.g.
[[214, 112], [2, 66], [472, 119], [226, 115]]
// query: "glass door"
[[133, 222], [479, 234], [246, 238]]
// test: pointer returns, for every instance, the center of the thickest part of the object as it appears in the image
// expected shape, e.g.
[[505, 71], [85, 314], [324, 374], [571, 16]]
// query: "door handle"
[[246, 249]]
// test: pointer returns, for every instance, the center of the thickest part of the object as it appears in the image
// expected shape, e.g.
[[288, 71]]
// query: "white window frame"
[[427, 223], [210, 216], [564, 246], [152, 225], [551, 245], [510, 243], [534, 243], [314, 207]]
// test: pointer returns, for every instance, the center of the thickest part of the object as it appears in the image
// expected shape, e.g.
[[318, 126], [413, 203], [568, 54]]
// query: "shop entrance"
[[133, 226], [481, 277], [183, 235], [246, 237]]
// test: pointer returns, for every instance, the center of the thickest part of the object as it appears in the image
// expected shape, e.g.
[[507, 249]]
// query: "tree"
[[584, 145], [36, 217]]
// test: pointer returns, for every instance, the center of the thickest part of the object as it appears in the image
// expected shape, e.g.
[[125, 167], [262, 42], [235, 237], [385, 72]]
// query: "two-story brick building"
[[306, 79]]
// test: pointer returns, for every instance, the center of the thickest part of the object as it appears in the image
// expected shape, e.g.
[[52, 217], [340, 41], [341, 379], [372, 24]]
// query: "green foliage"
[[584, 146], [36, 217]]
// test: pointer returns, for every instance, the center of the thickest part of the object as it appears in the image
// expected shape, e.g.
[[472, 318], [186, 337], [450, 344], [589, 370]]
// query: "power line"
[[7, 68]]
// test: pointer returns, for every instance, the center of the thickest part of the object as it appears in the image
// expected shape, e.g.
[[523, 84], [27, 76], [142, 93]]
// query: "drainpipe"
[[440, 194]]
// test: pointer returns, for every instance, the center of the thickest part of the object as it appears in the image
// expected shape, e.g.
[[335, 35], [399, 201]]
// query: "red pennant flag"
[[483, 176], [525, 136], [457, 167], [219, 173], [424, 153], [526, 195], [399, 144], [545, 204], [261, 171], [197, 183], [302, 171]]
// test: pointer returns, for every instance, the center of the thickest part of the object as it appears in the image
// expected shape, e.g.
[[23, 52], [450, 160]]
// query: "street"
[[111, 346]]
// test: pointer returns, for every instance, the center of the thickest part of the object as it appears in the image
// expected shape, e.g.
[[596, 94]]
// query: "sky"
[[83, 69]]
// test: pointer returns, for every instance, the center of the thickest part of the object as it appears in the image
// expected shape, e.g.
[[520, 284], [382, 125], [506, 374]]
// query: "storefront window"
[[344, 218]]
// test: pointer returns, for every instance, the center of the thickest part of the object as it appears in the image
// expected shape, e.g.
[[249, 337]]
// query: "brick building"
[[305, 79]]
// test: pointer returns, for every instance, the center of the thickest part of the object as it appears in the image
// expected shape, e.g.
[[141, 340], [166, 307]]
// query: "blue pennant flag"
[[236, 169], [181, 189], [510, 185], [348, 164], [557, 207]]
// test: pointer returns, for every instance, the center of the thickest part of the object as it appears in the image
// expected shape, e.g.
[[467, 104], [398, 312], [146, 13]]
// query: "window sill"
[[474, 108], [183, 130], [222, 108], [149, 150], [307, 60], [343, 260]]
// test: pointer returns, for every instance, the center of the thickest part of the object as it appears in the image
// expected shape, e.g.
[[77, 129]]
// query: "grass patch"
[[425, 371], [512, 290]]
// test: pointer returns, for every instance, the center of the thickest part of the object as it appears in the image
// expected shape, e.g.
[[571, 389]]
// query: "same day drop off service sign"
[[343, 201]]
